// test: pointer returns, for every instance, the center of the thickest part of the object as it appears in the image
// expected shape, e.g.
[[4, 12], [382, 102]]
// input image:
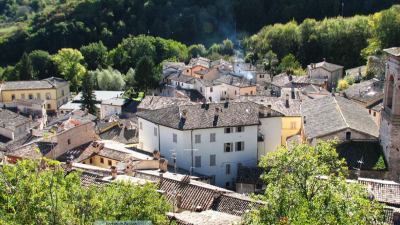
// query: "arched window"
[[389, 93]]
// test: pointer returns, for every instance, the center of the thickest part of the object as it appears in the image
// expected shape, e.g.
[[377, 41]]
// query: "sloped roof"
[[101, 95], [365, 91], [159, 102], [283, 80], [34, 150], [202, 115], [387, 192], [331, 114], [11, 120], [200, 61], [393, 51], [234, 80], [328, 66], [181, 78], [204, 217], [193, 196], [52, 82], [235, 204], [277, 103]]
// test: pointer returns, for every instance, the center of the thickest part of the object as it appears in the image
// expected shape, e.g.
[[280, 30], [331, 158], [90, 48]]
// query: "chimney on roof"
[[113, 172], [287, 101], [129, 170], [216, 115], [163, 165], [156, 155], [178, 201], [69, 164], [226, 103]]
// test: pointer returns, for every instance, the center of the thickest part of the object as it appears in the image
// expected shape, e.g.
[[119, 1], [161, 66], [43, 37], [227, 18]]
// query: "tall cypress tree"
[[88, 97], [24, 67]]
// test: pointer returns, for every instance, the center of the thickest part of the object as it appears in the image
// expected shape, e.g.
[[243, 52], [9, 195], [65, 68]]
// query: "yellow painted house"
[[280, 119], [55, 91]]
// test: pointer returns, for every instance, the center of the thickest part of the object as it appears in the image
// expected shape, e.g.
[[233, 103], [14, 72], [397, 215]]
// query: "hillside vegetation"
[[345, 41], [53, 24]]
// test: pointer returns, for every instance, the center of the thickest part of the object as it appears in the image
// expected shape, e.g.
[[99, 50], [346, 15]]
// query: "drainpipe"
[[191, 151], [159, 139]]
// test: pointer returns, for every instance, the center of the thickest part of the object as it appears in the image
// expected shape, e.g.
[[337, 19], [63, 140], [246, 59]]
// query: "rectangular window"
[[228, 169], [12, 97], [155, 131], [38, 96], [293, 125], [213, 160], [211, 89], [30, 96], [69, 141], [197, 161], [197, 138], [48, 96], [239, 129], [109, 162], [240, 146], [101, 160], [228, 130], [174, 138], [90, 160], [62, 93], [228, 147], [348, 136], [212, 137], [22, 96], [141, 125], [48, 106]]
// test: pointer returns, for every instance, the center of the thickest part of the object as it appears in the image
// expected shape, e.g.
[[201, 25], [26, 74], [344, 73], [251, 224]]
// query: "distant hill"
[[53, 24]]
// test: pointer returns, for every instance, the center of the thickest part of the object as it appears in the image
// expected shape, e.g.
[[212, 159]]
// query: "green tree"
[[130, 79], [343, 85], [88, 97], [307, 185], [289, 62], [109, 79], [270, 62], [24, 68], [42, 64], [34, 192], [69, 65], [196, 50], [95, 55], [130, 50], [227, 47], [145, 74]]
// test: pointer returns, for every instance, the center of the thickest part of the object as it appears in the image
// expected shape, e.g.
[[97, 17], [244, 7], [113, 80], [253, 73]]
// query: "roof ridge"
[[340, 111]]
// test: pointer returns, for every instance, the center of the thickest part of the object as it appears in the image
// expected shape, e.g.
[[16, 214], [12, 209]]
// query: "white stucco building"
[[111, 107], [211, 139]]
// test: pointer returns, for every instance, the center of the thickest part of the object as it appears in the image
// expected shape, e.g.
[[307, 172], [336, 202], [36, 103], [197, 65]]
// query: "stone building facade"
[[390, 124]]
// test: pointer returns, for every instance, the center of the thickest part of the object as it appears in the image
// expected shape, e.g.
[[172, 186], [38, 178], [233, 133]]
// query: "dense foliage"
[[54, 24], [339, 40], [307, 185], [42, 193]]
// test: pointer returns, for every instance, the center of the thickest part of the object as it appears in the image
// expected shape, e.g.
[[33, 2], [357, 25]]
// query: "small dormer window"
[[348, 136]]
